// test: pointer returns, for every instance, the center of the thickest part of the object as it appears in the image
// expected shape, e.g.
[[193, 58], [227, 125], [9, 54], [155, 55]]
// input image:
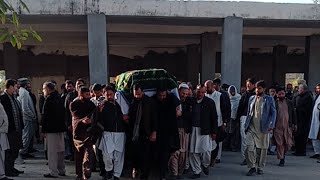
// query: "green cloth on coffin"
[[147, 78]]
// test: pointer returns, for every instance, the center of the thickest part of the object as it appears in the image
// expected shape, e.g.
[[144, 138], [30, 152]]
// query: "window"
[[294, 78]]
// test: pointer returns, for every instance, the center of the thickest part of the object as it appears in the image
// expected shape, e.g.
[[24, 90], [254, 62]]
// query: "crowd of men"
[[165, 134]]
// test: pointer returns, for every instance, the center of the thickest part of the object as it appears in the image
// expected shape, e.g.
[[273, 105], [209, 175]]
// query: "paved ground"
[[297, 168]]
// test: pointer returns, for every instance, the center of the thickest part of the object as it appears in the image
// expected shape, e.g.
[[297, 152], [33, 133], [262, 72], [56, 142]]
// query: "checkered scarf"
[[15, 111]]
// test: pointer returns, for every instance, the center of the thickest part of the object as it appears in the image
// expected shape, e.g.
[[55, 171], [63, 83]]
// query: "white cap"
[[183, 85]]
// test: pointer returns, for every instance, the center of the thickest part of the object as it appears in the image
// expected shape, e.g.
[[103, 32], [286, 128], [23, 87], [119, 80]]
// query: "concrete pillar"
[[208, 56], [97, 43], [193, 63], [279, 56], [11, 61], [231, 51], [314, 61]]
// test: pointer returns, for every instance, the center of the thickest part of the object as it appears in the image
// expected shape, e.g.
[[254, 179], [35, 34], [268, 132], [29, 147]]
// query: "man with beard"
[[289, 91], [221, 110], [69, 87], [233, 128], [226, 106], [260, 121], [272, 145], [178, 159], [113, 140], [29, 117], [72, 94], [14, 113], [98, 99], [167, 134], [143, 125], [82, 110], [98, 94], [314, 133], [4, 144], [37, 127], [285, 124], [204, 130], [242, 114], [304, 106], [53, 127]]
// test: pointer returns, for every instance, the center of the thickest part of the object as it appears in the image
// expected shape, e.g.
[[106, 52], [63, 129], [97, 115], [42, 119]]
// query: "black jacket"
[[69, 99], [167, 134], [149, 118], [53, 114], [243, 104], [185, 120], [225, 106], [6, 103], [304, 107], [208, 116], [111, 117]]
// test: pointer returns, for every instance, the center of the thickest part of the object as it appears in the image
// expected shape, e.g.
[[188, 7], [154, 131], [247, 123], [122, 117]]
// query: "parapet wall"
[[175, 8]]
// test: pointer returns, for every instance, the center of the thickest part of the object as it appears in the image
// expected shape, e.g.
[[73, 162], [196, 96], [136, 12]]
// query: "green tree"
[[11, 30]]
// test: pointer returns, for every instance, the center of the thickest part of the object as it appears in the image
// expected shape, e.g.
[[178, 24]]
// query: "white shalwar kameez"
[[315, 127], [112, 146]]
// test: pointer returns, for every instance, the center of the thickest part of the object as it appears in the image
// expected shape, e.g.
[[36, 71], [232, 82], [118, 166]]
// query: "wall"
[[73, 67], [258, 65], [175, 8]]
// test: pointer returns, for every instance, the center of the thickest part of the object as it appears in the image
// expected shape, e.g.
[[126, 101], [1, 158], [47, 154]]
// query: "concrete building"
[[97, 39]]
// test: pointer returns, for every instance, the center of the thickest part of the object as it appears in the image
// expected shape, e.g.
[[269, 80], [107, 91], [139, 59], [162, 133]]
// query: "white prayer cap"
[[183, 85]]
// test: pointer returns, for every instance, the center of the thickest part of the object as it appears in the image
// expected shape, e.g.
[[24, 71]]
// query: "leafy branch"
[[12, 31]]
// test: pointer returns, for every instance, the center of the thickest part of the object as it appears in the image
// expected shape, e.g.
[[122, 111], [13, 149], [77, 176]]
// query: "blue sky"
[[278, 1]]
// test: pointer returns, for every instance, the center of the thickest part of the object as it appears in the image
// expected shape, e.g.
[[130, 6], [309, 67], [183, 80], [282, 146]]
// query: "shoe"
[[94, 170], [186, 171], [180, 177], [218, 161], [67, 157], [281, 164], [206, 170], [103, 173], [49, 176], [252, 172], [6, 178], [72, 158], [271, 153], [19, 160], [79, 178], [17, 171], [62, 174], [172, 177], [299, 154], [134, 173], [26, 156], [12, 174], [315, 156], [115, 178], [244, 163], [32, 151], [195, 176], [212, 163], [260, 171], [109, 175]]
